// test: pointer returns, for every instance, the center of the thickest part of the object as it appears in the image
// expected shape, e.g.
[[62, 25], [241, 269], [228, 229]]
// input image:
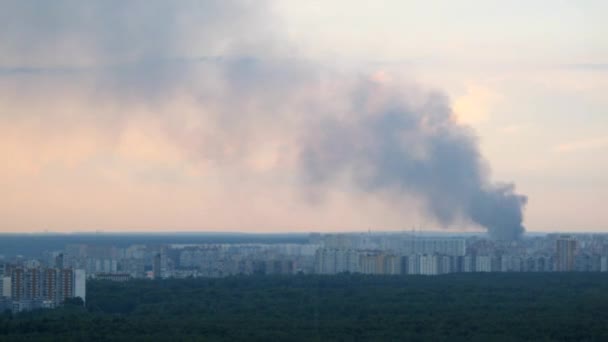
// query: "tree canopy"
[[345, 307]]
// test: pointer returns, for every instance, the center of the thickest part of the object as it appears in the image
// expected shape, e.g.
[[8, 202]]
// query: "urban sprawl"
[[57, 276]]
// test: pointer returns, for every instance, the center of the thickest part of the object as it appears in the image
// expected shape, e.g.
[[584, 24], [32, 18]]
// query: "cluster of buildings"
[[389, 253], [392, 255], [161, 261], [31, 285], [58, 275]]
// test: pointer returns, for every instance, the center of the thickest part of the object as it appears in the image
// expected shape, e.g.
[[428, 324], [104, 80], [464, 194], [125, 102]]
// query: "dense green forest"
[[456, 307]]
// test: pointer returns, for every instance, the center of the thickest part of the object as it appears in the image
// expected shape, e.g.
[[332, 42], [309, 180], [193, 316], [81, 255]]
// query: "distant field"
[[456, 307]]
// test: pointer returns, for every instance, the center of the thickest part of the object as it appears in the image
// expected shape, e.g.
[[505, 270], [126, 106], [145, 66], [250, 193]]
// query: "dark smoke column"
[[499, 209], [387, 144]]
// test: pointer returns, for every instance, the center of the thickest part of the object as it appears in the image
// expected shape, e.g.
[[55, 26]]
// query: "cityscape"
[[48, 281], [303, 170]]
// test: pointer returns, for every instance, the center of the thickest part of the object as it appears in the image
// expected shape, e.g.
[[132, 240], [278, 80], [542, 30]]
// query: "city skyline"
[[53, 271], [203, 116]]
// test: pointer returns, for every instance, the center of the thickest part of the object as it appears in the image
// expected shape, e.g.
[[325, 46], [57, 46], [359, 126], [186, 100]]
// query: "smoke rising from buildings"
[[251, 96], [392, 145]]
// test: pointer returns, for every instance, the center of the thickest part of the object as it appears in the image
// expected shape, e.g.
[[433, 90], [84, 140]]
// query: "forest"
[[345, 307]]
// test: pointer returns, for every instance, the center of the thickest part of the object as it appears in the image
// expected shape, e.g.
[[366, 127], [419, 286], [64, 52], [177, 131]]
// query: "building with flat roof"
[[565, 248], [31, 288]]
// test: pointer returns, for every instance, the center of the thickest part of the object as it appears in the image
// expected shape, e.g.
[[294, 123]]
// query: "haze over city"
[[298, 116]]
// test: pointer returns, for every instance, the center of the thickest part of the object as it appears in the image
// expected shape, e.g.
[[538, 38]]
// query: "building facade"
[[565, 251]]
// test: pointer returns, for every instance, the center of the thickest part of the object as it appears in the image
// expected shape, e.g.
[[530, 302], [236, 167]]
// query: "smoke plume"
[[328, 128]]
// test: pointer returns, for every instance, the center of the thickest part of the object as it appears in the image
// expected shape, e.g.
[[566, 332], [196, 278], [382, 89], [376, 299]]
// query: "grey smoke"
[[400, 148], [228, 54]]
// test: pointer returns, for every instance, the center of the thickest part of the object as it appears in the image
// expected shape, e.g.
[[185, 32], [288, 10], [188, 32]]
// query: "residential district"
[[56, 276]]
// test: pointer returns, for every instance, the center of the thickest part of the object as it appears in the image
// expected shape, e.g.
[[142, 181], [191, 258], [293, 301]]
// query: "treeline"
[[455, 307]]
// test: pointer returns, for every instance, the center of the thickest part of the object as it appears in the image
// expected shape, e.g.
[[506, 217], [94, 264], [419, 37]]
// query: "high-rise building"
[[468, 264], [453, 247], [59, 261], [565, 251], [413, 264], [429, 264], [371, 263], [483, 263], [65, 285], [332, 261], [347, 260], [80, 284], [156, 266], [43, 287], [392, 264], [49, 288], [18, 283], [445, 264], [6, 286]]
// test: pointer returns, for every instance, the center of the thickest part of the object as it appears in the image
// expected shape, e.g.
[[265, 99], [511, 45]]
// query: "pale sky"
[[112, 117]]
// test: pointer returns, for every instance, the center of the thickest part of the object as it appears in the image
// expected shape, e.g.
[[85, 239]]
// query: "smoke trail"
[[385, 143], [382, 137]]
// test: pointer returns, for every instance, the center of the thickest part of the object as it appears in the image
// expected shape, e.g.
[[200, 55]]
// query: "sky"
[[255, 116]]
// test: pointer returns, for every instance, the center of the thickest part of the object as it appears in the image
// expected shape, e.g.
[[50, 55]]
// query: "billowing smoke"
[[328, 128], [388, 144]]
